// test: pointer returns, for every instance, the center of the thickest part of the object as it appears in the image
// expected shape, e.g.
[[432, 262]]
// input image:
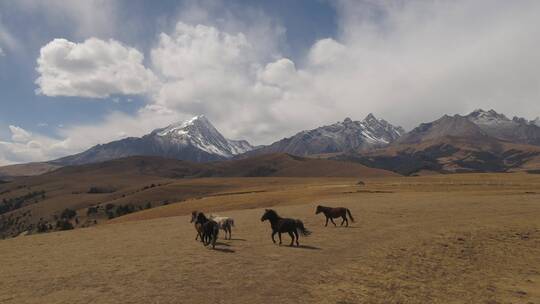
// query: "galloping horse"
[[332, 213], [209, 229], [224, 223], [281, 225], [198, 227]]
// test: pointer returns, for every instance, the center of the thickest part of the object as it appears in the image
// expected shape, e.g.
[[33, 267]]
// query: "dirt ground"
[[438, 239]]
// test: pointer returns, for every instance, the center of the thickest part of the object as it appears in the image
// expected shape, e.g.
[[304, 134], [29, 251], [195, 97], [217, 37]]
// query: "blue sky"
[[306, 21], [77, 73]]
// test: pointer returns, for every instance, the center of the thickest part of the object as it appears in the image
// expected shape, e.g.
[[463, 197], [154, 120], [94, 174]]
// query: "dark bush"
[[42, 227], [91, 210], [68, 214], [95, 190], [64, 225], [124, 209]]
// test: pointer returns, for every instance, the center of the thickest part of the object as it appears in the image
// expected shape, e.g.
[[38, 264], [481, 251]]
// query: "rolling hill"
[[101, 191]]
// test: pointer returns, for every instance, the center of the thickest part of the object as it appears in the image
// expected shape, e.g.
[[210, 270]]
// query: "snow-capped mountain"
[[339, 137], [536, 121], [195, 140], [516, 130], [200, 133]]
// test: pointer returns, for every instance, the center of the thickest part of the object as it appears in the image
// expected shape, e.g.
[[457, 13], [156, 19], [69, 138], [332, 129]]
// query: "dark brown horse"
[[209, 229], [332, 213], [281, 225], [198, 227]]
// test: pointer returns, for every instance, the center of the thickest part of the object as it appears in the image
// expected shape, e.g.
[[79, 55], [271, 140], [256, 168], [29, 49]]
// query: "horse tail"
[[302, 229], [349, 213]]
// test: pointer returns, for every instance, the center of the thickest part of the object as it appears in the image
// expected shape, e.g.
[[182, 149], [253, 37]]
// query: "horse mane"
[[272, 213], [201, 216]]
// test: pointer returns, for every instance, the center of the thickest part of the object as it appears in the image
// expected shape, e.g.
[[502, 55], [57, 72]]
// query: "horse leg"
[[296, 234], [279, 234], [273, 233], [342, 221], [326, 225], [332, 220], [292, 238], [346, 220], [230, 233]]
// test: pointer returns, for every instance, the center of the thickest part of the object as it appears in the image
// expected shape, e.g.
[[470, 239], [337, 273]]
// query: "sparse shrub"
[[148, 205], [124, 209], [109, 206], [68, 214], [64, 224], [96, 190], [91, 210], [43, 227]]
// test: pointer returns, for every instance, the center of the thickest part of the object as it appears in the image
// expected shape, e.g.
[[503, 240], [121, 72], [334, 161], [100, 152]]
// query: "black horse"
[[198, 226], [209, 229], [281, 225], [332, 213]]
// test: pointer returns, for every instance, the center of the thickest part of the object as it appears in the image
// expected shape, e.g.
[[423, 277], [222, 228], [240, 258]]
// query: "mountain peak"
[[195, 139], [370, 116], [479, 116]]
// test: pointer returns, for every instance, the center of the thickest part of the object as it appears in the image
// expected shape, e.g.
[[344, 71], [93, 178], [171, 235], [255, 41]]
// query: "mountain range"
[[482, 141], [198, 140], [194, 140], [479, 141], [347, 135]]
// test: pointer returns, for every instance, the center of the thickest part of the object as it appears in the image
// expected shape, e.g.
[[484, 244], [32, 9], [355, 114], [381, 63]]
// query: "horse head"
[[269, 214], [194, 216], [319, 209]]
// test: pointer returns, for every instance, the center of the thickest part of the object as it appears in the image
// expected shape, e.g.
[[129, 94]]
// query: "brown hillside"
[[29, 169], [127, 185]]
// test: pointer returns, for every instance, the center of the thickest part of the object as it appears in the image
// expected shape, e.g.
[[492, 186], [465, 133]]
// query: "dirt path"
[[407, 248]]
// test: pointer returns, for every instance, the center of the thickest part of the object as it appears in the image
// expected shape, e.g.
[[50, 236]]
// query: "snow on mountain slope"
[[200, 133], [195, 139], [339, 137], [516, 130]]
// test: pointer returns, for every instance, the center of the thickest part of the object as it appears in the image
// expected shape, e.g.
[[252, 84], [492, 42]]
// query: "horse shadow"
[[222, 244], [243, 240], [306, 247], [348, 227], [225, 250]]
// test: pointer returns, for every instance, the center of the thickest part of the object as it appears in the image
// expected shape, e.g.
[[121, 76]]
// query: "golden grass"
[[472, 238]]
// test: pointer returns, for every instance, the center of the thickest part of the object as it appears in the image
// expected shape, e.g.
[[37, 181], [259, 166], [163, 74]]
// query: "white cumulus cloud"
[[408, 62], [93, 68]]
